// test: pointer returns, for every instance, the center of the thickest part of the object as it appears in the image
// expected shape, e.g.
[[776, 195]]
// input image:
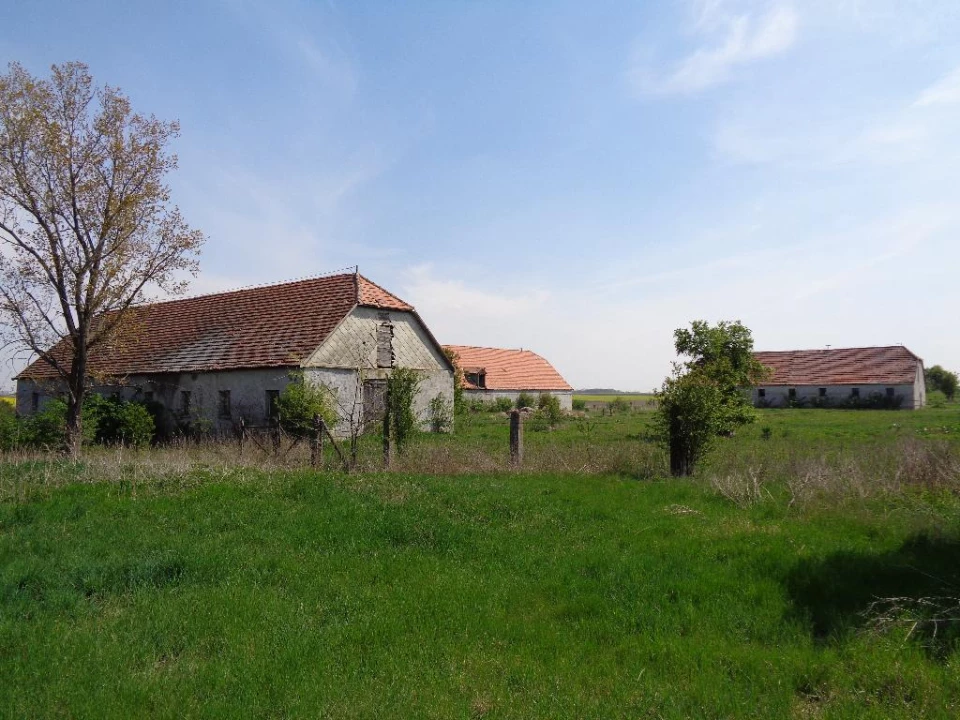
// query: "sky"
[[578, 179]]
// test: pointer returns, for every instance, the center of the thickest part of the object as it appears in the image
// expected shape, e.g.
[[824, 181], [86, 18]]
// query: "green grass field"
[[610, 398], [201, 588]]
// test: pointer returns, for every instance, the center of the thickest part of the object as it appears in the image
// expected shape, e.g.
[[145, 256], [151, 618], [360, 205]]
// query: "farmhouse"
[[214, 359], [871, 377], [490, 373]]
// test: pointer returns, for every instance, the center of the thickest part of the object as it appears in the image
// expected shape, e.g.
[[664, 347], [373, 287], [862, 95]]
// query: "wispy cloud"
[[730, 41]]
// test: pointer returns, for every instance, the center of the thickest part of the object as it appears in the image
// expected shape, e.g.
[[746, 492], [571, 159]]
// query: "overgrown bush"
[[117, 421], [525, 400], [300, 401], [9, 427], [402, 386], [502, 404], [549, 406], [579, 404], [936, 398], [619, 405], [441, 417]]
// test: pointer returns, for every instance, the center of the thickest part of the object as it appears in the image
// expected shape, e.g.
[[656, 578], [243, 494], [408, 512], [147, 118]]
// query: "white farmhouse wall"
[[779, 395], [488, 396]]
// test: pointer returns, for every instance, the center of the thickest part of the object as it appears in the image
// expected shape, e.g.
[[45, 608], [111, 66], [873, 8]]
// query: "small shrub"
[[402, 386], [549, 406], [936, 399], [121, 422], [579, 404], [525, 400], [766, 433], [299, 402], [477, 405], [441, 418], [618, 406], [502, 404], [9, 427]]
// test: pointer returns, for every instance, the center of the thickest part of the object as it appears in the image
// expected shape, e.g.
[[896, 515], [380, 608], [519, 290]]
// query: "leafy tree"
[[707, 395], [118, 421], [402, 386], [299, 402], [724, 354], [937, 378], [86, 224]]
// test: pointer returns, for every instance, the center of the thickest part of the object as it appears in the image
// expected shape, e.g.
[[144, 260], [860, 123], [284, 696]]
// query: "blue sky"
[[574, 178]]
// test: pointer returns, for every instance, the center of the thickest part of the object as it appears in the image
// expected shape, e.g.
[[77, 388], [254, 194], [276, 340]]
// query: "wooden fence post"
[[241, 435], [276, 434], [516, 438]]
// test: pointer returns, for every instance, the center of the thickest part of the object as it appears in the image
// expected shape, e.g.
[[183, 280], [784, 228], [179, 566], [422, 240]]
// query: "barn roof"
[[508, 369], [269, 326], [892, 365]]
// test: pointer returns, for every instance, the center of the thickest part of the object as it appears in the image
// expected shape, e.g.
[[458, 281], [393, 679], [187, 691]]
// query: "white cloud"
[[944, 92], [737, 40]]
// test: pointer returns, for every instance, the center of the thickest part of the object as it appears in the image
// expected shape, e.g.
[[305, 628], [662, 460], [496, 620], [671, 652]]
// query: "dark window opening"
[[185, 402], [35, 402], [762, 392], [890, 393], [823, 392], [272, 397], [477, 379], [224, 403], [385, 357], [855, 392], [792, 393]]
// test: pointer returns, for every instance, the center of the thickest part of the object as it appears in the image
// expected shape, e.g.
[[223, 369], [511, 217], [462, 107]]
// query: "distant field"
[[639, 397], [8, 399]]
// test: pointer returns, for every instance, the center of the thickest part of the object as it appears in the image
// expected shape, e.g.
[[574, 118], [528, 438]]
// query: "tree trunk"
[[681, 459], [77, 390]]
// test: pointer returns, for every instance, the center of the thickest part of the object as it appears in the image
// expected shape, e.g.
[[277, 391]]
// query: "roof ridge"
[[837, 349], [244, 288], [487, 347]]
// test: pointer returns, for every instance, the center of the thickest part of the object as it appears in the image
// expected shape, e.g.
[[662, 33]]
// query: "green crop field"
[[193, 583], [10, 399], [610, 398]]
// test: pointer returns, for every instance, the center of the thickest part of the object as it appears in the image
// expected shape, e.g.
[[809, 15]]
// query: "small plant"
[[441, 419], [766, 433], [402, 386], [299, 402], [502, 404], [525, 400], [549, 406]]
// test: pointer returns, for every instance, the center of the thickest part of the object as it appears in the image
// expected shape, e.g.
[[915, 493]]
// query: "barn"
[[213, 359], [890, 377], [490, 373]]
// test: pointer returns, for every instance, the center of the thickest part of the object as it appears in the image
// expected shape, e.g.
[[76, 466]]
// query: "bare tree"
[[86, 223]]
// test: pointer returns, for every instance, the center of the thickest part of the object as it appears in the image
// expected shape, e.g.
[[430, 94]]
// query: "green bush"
[[579, 404], [477, 405], [936, 399], [441, 418], [48, 427], [619, 405], [299, 402], [549, 406], [402, 386], [502, 404], [9, 427], [117, 421], [525, 400]]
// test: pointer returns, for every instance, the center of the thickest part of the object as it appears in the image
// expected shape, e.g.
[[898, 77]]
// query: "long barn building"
[[889, 376]]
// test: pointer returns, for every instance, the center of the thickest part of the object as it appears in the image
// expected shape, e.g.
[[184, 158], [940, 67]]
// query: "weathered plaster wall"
[[778, 395], [565, 396]]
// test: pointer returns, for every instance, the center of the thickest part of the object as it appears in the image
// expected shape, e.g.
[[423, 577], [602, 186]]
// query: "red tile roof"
[[509, 369], [894, 365], [270, 326]]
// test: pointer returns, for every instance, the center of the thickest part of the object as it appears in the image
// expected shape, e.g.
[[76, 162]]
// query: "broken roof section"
[[268, 326], [508, 369], [891, 365]]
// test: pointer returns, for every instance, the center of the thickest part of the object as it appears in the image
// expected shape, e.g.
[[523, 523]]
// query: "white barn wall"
[[778, 395]]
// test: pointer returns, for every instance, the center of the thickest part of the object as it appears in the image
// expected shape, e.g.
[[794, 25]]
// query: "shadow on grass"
[[913, 589]]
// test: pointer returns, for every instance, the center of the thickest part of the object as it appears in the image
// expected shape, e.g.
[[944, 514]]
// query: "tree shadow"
[[887, 592]]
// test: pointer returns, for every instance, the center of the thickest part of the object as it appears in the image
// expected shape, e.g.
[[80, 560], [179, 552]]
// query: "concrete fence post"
[[516, 438]]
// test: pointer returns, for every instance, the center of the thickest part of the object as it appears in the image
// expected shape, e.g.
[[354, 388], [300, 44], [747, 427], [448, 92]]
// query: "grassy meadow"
[[809, 570]]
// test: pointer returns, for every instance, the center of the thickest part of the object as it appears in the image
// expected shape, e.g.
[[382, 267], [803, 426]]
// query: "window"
[[890, 393], [224, 404], [855, 392], [34, 402], [479, 379], [385, 358], [272, 397], [792, 393], [184, 402], [762, 392], [822, 392]]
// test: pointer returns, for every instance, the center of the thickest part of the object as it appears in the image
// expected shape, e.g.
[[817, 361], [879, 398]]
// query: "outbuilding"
[[881, 377]]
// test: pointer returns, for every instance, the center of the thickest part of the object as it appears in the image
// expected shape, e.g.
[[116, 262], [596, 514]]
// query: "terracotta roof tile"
[[270, 326], [509, 369], [893, 365]]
